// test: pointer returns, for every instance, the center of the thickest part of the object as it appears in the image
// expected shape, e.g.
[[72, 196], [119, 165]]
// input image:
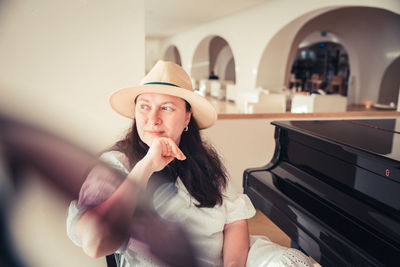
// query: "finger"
[[175, 150], [171, 149], [165, 148], [179, 154]]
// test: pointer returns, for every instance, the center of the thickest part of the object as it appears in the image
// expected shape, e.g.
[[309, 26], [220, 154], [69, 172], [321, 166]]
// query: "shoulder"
[[237, 205], [101, 181], [116, 159]]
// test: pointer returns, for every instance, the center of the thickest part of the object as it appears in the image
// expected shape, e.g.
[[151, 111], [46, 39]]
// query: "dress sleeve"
[[98, 186], [237, 206]]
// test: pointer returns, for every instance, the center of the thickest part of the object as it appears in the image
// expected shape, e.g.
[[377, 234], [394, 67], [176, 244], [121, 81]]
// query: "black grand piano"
[[334, 188]]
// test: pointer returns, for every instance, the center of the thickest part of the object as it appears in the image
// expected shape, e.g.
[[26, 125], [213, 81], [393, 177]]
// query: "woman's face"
[[159, 115]]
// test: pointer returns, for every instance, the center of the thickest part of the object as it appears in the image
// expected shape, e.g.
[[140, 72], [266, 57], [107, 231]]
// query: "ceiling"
[[164, 18]]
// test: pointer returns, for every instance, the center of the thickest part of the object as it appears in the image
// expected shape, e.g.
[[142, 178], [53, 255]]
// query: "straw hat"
[[165, 78]]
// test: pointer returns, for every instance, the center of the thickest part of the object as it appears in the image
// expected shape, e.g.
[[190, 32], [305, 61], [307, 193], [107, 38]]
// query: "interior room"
[[257, 62]]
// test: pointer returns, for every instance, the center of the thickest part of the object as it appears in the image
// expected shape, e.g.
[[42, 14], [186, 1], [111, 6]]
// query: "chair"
[[195, 84], [294, 81], [310, 82], [318, 103], [231, 92], [337, 84], [204, 87], [316, 81], [217, 89], [267, 103], [246, 96]]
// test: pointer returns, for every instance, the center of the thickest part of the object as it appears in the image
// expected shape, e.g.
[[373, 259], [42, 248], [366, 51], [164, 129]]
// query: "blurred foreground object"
[[25, 149]]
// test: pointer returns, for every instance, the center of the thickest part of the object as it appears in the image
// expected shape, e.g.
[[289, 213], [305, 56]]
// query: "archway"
[[222, 68], [213, 55], [366, 50], [172, 54], [370, 44], [230, 72], [390, 85], [321, 63], [271, 68]]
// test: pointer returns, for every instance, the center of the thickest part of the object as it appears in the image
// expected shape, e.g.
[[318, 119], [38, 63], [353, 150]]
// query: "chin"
[[148, 141]]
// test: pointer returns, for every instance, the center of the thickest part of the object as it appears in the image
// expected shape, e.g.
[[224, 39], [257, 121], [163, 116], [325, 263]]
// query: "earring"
[[186, 128]]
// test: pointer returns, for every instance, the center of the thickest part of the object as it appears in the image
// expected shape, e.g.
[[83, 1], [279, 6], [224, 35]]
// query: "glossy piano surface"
[[334, 188]]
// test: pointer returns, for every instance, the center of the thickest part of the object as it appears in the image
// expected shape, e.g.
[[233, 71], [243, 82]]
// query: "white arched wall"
[[217, 44], [230, 73], [172, 54], [249, 32], [200, 63], [365, 43], [224, 56], [273, 62], [279, 55], [390, 84], [316, 37]]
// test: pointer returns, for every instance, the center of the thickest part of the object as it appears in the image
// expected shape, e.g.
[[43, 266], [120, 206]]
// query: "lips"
[[155, 132]]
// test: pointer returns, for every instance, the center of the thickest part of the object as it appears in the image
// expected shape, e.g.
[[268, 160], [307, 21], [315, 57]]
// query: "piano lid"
[[380, 137], [333, 186]]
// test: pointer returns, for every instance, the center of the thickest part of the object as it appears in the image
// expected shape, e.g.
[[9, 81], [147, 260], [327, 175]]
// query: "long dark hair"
[[202, 173]]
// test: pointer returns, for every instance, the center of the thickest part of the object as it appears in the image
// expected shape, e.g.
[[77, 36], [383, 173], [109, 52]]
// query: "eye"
[[144, 107], [167, 108]]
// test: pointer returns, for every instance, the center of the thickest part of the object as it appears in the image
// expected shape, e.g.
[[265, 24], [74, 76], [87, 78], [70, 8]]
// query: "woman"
[[165, 139]]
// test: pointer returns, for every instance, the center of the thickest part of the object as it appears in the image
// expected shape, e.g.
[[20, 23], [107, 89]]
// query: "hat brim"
[[123, 102]]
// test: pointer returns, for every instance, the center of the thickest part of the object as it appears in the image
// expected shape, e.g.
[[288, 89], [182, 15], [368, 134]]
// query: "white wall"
[[249, 32], [59, 61], [153, 53], [242, 143]]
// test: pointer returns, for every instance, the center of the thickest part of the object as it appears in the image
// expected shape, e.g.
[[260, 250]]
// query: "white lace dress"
[[206, 225]]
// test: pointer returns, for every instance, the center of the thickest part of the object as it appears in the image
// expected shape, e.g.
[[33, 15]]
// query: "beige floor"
[[223, 106], [261, 225]]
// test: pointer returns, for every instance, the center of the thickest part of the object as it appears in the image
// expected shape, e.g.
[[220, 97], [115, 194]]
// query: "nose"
[[154, 118]]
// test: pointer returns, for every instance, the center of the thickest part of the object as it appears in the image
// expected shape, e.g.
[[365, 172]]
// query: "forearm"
[[236, 244], [237, 260], [104, 228]]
